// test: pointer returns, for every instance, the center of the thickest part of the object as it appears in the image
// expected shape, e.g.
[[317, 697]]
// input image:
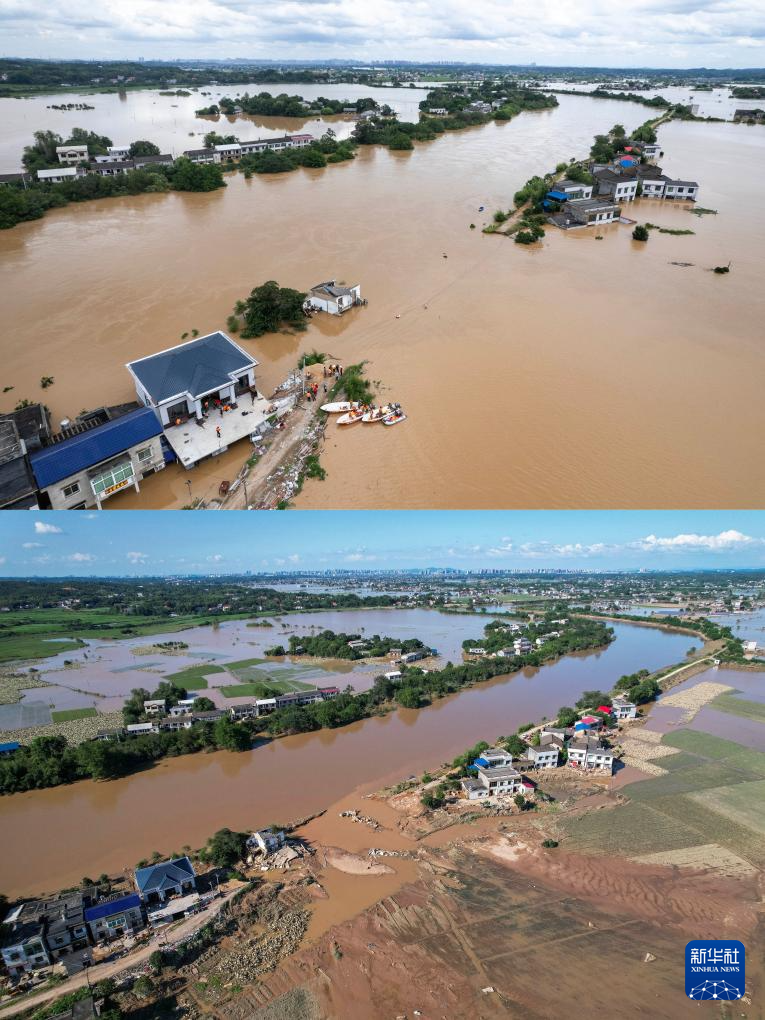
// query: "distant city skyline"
[[635, 33], [153, 543]]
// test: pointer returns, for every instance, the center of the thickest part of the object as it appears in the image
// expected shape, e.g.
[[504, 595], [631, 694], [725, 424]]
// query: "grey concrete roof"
[[197, 367]]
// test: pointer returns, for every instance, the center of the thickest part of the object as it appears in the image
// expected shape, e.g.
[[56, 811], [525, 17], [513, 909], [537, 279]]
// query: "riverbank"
[[201, 793], [362, 925]]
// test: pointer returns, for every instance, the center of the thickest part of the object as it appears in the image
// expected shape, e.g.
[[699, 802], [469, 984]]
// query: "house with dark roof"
[[18, 488], [101, 455], [36, 933], [159, 882], [115, 917], [203, 394]]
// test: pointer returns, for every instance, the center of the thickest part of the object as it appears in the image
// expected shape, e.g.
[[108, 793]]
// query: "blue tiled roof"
[[112, 907], [559, 196], [11, 746], [84, 451], [197, 367], [166, 873]]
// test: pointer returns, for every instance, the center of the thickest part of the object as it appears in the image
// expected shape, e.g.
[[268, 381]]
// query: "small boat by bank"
[[395, 418], [339, 407], [354, 415], [376, 414]]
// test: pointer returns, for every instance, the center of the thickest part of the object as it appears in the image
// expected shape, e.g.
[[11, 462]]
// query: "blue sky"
[[631, 33], [89, 544]]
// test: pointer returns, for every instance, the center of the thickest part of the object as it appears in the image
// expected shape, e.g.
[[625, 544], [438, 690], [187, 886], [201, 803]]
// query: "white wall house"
[[589, 754], [543, 757], [688, 190], [622, 708], [620, 189], [230, 150], [589, 211], [329, 297], [176, 382], [573, 189], [653, 187], [58, 176], [71, 153]]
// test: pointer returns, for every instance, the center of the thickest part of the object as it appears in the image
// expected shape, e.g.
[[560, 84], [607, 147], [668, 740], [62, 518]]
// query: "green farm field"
[[26, 634], [69, 714], [712, 792], [732, 704]]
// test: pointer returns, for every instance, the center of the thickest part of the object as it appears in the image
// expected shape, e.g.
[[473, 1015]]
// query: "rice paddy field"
[[69, 714], [709, 794], [744, 707]]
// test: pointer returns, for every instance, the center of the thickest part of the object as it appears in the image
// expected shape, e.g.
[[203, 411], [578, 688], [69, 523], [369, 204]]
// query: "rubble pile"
[[356, 816]]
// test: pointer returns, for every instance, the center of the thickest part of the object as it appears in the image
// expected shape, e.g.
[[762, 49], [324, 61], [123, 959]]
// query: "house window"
[[144, 455], [70, 490], [115, 477]]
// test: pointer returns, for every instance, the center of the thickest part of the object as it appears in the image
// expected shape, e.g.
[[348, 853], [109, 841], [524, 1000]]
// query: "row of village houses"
[[623, 180], [181, 716], [498, 774], [75, 161], [40, 933]]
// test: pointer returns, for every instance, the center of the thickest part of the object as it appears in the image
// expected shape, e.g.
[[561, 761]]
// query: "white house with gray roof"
[[329, 297], [203, 393]]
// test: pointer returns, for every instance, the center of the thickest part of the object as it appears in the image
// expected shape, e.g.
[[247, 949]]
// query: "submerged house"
[[584, 212], [329, 297]]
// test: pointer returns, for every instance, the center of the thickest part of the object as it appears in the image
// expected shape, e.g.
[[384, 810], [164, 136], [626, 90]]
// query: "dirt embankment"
[[275, 476]]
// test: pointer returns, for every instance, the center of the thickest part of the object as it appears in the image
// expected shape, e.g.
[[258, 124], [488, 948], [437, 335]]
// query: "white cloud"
[[41, 528], [216, 558], [725, 541], [570, 550], [79, 557], [32, 545], [663, 33], [2, 559], [137, 557]]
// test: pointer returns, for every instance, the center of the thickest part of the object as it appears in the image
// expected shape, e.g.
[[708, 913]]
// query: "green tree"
[[567, 716], [42, 153], [144, 148], [270, 306], [98, 145], [515, 746], [520, 801], [231, 736], [640, 233], [188, 176], [203, 704], [226, 848]]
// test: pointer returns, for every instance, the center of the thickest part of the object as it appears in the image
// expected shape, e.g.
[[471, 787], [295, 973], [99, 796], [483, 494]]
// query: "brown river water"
[[579, 373], [54, 837]]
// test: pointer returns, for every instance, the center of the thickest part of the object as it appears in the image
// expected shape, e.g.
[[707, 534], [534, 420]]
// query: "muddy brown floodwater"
[[581, 373], [110, 826]]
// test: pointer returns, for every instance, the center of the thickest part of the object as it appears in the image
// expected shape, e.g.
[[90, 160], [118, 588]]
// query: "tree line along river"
[[110, 825]]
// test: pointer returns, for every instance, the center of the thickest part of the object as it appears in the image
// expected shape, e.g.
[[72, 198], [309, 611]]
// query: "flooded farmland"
[[110, 826], [555, 376]]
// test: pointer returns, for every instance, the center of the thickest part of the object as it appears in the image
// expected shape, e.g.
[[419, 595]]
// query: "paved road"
[[101, 971]]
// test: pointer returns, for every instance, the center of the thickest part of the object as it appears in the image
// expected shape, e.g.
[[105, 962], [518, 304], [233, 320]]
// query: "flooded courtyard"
[[576, 373]]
